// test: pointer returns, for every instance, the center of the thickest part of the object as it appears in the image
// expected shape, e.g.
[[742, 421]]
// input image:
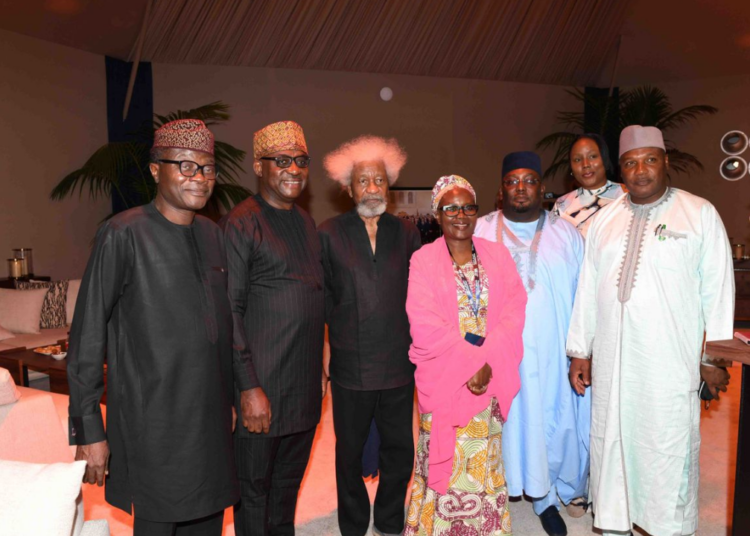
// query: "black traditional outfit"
[[277, 297], [153, 301], [371, 375]]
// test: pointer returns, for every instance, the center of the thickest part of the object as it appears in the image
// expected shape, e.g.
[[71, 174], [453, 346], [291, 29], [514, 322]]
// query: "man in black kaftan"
[[153, 302], [277, 296], [366, 255]]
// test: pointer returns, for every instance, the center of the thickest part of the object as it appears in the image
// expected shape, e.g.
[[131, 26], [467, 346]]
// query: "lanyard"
[[474, 295], [533, 250]]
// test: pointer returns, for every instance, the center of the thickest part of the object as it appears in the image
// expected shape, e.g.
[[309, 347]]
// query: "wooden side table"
[[6, 282], [736, 350]]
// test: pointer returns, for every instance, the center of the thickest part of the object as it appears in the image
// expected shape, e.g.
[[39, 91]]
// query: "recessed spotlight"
[[734, 142], [733, 168], [386, 94]]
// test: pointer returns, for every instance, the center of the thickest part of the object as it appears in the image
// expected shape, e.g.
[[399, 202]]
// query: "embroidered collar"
[[648, 206]]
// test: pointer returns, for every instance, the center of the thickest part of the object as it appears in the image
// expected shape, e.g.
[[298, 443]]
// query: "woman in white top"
[[589, 164]]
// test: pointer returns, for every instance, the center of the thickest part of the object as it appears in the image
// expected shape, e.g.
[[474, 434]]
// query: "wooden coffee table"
[[21, 360]]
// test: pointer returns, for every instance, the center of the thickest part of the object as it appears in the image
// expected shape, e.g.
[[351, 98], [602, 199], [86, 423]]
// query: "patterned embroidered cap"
[[281, 136], [636, 137], [446, 183], [185, 134]]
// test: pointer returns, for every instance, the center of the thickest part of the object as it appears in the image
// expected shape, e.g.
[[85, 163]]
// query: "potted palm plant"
[[119, 170], [607, 115]]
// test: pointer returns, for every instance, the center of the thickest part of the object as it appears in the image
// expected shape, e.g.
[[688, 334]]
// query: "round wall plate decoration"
[[733, 168], [734, 142]]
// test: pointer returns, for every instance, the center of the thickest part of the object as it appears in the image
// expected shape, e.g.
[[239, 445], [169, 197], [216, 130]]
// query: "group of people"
[[213, 340]]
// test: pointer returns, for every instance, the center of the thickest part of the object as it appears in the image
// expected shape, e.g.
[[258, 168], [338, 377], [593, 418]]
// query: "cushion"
[[8, 392], [74, 286], [39, 499], [21, 310], [54, 314], [5, 334]]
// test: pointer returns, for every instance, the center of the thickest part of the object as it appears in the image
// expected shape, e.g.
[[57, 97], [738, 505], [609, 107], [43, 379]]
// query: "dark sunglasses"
[[284, 161]]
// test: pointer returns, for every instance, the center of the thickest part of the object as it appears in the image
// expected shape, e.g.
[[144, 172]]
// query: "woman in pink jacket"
[[466, 308]]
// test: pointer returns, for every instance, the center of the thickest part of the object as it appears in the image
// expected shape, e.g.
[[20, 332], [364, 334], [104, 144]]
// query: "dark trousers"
[[270, 471], [206, 526], [353, 412]]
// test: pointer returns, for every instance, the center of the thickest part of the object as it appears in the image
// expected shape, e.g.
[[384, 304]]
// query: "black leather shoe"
[[552, 522]]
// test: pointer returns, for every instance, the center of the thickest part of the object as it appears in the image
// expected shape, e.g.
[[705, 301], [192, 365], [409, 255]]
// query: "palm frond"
[[680, 162], [228, 195], [686, 115], [102, 172], [643, 105], [121, 169], [562, 142], [555, 167], [228, 159], [210, 114]]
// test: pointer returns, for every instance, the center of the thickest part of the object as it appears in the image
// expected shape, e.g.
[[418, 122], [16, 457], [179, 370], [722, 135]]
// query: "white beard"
[[367, 210]]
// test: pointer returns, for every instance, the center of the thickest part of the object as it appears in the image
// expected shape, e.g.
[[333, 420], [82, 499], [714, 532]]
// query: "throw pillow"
[[8, 391], [54, 314], [74, 285], [39, 499], [5, 334], [20, 310]]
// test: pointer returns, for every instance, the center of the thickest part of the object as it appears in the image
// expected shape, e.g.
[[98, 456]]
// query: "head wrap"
[[281, 136], [637, 137], [446, 183], [522, 160], [185, 134]]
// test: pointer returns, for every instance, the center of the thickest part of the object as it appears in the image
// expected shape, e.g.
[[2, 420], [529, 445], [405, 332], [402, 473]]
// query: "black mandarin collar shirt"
[[366, 300]]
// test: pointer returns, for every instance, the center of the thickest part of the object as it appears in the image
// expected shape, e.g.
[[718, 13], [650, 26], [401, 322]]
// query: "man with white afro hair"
[[366, 255], [339, 163]]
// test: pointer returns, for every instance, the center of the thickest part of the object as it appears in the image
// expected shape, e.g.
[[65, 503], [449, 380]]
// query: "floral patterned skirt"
[[476, 503]]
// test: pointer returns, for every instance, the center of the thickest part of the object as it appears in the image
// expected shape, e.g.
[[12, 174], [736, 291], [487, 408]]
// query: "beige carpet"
[[316, 513]]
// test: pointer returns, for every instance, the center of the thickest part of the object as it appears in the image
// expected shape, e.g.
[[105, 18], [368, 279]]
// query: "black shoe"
[[552, 522]]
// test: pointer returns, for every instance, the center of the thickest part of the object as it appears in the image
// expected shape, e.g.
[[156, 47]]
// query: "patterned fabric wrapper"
[[54, 307], [476, 502], [185, 134], [281, 136], [446, 183]]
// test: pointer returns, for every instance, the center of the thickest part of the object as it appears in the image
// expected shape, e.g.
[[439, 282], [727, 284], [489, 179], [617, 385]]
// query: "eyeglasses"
[[452, 210], [528, 181], [190, 169], [284, 161]]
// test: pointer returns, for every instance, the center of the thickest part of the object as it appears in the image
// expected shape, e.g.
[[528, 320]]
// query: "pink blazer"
[[445, 361]]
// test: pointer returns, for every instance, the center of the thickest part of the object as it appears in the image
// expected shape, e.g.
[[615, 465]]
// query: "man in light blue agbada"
[[546, 437]]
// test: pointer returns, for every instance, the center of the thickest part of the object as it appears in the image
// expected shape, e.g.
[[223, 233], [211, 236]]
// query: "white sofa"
[[46, 336], [41, 484]]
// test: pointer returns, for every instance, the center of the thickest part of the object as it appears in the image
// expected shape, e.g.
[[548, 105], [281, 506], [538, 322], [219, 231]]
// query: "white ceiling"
[[544, 41]]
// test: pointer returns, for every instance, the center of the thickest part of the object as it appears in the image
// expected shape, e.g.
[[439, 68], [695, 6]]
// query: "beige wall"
[[731, 95], [446, 125], [52, 117]]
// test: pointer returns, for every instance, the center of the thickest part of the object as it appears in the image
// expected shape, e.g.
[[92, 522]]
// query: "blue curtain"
[[137, 125]]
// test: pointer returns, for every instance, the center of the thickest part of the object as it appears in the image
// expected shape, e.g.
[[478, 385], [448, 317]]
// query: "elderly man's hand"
[[478, 383], [579, 374], [96, 456], [256, 410], [716, 378]]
